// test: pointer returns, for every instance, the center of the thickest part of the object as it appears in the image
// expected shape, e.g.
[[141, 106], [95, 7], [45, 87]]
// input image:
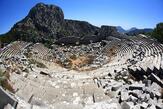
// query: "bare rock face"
[[78, 28], [106, 31], [46, 18], [42, 22]]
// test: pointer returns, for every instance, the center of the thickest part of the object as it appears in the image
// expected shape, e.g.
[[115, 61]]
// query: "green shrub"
[[158, 32]]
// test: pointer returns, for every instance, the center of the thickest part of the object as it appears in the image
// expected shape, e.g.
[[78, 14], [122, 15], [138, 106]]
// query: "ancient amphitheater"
[[49, 62], [116, 74]]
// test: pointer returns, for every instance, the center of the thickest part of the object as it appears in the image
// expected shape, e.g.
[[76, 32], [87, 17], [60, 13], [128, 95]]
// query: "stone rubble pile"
[[64, 53], [145, 94]]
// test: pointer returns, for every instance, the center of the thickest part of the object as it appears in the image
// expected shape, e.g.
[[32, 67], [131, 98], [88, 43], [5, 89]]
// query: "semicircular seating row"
[[13, 49], [16, 48], [40, 51], [149, 58]]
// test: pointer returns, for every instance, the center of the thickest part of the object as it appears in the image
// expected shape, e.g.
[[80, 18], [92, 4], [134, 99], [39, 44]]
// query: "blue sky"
[[126, 13]]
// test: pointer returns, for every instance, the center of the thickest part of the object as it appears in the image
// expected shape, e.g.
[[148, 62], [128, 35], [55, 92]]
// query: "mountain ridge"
[[46, 23]]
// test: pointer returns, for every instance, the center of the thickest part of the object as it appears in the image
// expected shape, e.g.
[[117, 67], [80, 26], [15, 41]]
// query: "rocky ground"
[[62, 77]]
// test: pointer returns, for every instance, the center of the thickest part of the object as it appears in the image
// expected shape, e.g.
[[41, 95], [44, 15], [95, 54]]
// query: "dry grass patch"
[[161, 91], [4, 81], [80, 62], [111, 52], [77, 63]]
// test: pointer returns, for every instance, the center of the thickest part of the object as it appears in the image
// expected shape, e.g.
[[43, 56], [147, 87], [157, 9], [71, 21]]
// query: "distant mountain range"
[[134, 30]]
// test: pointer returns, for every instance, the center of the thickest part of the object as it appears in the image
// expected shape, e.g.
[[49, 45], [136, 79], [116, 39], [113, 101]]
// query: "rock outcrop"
[[46, 24], [42, 22], [106, 31], [78, 28]]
